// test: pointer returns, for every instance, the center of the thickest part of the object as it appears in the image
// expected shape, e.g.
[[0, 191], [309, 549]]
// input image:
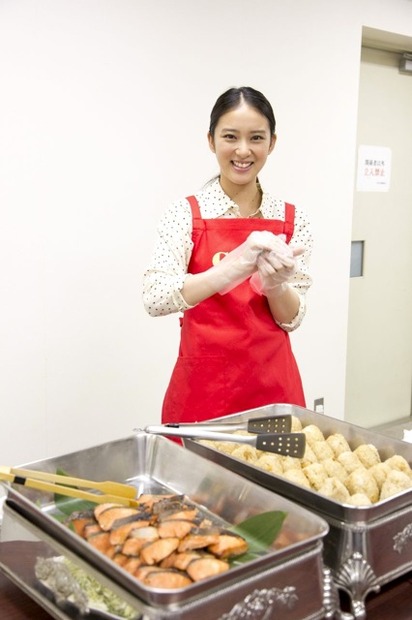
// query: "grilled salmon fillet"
[[165, 542]]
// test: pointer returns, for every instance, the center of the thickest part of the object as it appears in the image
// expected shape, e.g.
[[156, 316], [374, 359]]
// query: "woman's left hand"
[[275, 269]]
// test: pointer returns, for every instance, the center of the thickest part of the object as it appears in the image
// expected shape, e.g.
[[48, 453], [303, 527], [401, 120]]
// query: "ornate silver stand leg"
[[331, 599], [357, 578]]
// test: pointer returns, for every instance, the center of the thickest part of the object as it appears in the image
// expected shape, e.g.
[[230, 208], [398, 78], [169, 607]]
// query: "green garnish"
[[260, 532]]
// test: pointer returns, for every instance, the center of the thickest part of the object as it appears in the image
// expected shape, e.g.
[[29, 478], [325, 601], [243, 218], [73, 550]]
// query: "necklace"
[[252, 214], [257, 196]]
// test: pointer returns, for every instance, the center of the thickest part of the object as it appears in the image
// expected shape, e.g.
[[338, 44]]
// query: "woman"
[[234, 260]]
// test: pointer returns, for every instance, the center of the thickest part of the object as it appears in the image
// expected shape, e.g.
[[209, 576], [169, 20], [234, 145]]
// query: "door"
[[379, 355]]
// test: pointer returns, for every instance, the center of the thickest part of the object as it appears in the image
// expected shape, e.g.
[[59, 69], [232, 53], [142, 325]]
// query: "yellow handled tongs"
[[113, 492]]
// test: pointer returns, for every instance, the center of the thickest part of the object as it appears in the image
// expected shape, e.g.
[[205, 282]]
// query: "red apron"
[[232, 354]]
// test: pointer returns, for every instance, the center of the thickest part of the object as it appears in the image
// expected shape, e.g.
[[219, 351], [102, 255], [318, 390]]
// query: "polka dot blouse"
[[167, 270]]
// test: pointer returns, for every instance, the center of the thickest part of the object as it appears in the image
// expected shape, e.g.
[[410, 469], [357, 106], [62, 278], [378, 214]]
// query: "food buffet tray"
[[366, 546], [290, 576]]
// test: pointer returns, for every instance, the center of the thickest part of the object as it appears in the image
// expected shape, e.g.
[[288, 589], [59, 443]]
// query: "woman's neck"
[[247, 197]]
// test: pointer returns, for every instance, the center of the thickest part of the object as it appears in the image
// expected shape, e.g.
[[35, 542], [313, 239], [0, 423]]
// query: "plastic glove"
[[275, 269], [239, 264]]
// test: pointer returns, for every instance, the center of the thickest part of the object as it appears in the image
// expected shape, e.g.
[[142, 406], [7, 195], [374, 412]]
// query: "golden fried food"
[[362, 481], [226, 447], [380, 472], [338, 443], [309, 456], [396, 482], [368, 455], [246, 453], [297, 476], [322, 450], [316, 474], [400, 463], [334, 489], [349, 460], [270, 462], [290, 462], [313, 433], [330, 466], [296, 424], [334, 469], [359, 499]]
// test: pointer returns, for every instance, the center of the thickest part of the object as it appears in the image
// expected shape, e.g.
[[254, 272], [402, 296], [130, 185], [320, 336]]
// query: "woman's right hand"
[[241, 262]]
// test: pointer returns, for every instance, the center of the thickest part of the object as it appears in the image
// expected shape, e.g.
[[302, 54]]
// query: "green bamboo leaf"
[[68, 505], [260, 532]]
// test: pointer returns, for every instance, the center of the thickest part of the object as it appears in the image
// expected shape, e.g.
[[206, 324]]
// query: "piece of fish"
[[101, 542], [204, 567], [199, 539], [175, 528], [132, 565], [167, 579], [228, 545], [108, 518], [138, 539], [156, 551], [119, 534]]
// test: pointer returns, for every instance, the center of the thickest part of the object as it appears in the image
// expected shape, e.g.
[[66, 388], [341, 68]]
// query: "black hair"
[[233, 97]]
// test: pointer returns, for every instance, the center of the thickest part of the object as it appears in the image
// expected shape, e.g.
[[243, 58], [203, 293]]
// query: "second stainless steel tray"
[[366, 546]]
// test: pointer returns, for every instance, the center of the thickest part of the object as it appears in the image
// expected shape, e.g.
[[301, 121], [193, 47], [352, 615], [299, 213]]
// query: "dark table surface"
[[393, 602]]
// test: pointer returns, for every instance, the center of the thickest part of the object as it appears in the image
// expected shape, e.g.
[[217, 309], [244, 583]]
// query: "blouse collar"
[[216, 202]]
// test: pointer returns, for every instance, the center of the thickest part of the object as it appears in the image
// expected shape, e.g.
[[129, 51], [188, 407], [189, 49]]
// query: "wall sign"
[[374, 168]]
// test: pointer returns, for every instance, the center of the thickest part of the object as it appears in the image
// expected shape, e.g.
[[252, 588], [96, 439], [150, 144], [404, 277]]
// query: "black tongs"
[[269, 434]]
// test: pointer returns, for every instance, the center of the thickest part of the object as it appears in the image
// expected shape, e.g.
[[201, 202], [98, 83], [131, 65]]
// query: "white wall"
[[104, 110]]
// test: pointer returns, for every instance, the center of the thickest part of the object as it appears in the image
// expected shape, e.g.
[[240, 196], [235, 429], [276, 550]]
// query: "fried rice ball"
[[226, 447], [270, 462], [308, 457], [334, 469], [368, 455], [313, 433], [334, 489], [322, 450], [297, 476], [359, 499], [395, 482], [400, 463], [380, 472], [296, 424], [362, 481], [349, 460], [246, 453], [290, 462], [316, 475], [338, 443]]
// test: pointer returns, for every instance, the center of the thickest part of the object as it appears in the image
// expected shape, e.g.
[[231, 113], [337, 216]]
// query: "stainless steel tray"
[[366, 546], [155, 464]]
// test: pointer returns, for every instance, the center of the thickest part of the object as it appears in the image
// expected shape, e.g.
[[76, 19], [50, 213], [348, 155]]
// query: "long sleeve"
[[167, 269]]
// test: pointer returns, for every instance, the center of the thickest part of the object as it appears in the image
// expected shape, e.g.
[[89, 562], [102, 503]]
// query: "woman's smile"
[[243, 165]]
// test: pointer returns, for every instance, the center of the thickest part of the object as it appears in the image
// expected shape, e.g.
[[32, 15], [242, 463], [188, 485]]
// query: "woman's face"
[[242, 142]]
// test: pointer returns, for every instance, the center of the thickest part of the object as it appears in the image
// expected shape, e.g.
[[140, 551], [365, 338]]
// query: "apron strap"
[[289, 221], [198, 225], [194, 207]]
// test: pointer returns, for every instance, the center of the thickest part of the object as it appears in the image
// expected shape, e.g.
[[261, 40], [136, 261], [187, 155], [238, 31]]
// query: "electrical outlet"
[[318, 405]]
